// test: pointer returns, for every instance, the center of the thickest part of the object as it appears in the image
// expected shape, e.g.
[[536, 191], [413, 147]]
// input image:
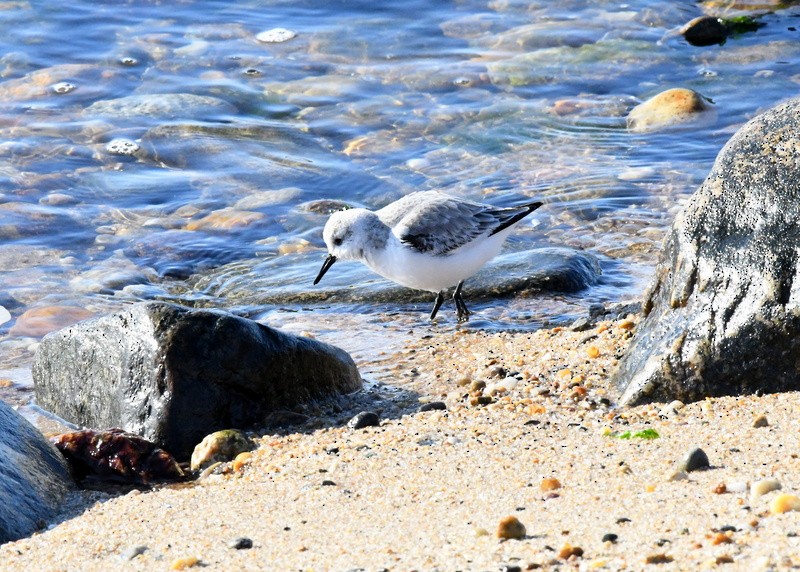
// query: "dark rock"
[[610, 537], [115, 455], [723, 314], [695, 460], [328, 483], [241, 543], [364, 419], [525, 273], [174, 375], [433, 406], [33, 477], [705, 31]]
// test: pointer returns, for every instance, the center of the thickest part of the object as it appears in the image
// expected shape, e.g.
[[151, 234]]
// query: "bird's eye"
[[337, 241]]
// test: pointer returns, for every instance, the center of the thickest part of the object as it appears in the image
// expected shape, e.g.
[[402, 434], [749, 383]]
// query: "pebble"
[[610, 537], [695, 460], [121, 146], [433, 406], [241, 543], [762, 487], [736, 487], [567, 551], [704, 31], [184, 563], [242, 460], [784, 503], [760, 421], [364, 419], [659, 558], [133, 552], [510, 528], [678, 476], [275, 36], [666, 109], [221, 446], [549, 484], [63, 87]]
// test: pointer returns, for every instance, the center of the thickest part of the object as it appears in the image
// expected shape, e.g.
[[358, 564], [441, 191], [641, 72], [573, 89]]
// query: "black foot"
[[437, 304], [462, 313]]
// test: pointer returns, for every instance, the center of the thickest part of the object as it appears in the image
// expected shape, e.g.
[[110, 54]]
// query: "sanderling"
[[426, 240]]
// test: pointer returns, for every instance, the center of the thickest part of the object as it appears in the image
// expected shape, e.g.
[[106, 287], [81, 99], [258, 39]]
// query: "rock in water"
[[673, 107], [723, 314], [174, 375], [33, 477]]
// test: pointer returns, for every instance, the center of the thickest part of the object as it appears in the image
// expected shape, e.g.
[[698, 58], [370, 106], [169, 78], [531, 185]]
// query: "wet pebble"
[[220, 446], [275, 36], [704, 31], [57, 200], [695, 460], [364, 419], [125, 147], [63, 87], [241, 543], [37, 322], [668, 108], [510, 528]]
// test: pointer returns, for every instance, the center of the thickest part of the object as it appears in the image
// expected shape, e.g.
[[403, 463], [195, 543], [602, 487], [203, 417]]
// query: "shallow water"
[[145, 146]]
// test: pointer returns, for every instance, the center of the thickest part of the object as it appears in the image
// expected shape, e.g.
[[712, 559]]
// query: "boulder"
[[33, 477], [722, 316], [174, 375]]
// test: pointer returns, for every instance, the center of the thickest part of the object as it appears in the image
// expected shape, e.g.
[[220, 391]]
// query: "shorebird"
[[427, 241]]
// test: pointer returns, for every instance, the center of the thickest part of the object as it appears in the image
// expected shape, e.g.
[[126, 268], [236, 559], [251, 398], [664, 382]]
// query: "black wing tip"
[[529, 208]]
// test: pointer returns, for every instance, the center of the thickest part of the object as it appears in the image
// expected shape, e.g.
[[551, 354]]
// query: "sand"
[[427, 490]]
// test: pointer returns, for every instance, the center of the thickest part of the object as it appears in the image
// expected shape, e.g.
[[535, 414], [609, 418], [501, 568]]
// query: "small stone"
[[721, 489], [275, 36], [328, 483], [37, 322], [724, 559], [695, 460], [184, 563], [659, 558], [784, 503], [133, 552], [221, 446], [721, 538], [63, 87], [122, 147], [242, 460], [762, 487], [433, 406], [678, 476], [760, 421], [364, 419], [593, 352], [610, 537], [580, 325], [241, 543], [704, 31], [511, 528], [549, 484], [567, 551], [666, 109], [736, 487]]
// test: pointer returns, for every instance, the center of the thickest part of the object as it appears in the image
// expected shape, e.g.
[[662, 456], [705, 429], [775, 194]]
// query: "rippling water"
[[157, 150]]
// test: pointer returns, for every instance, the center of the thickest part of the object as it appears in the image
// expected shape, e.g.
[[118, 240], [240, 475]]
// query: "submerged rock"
[[33, 477], [115, 455], [174, 375], [515, 274], [162, 105], [723, 314], [669, 108], [705, 31]]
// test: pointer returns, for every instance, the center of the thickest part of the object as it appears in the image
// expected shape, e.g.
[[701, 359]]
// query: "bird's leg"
[[462, 313], [437, 303]]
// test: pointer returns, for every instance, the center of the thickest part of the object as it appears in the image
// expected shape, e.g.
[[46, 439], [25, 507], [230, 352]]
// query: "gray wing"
[[438, 224]]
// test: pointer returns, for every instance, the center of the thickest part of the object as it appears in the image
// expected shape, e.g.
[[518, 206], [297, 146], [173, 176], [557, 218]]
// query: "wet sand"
[[530, 430]]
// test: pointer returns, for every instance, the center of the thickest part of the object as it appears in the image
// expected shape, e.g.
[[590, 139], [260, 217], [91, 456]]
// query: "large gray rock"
[[723, 314], [33, 477], [174, 375]]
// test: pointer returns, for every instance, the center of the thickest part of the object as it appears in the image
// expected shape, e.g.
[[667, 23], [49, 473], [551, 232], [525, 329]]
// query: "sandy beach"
[[530, 431]]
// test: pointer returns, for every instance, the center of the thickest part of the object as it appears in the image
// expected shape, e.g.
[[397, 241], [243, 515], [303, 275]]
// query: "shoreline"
[[427, 490]]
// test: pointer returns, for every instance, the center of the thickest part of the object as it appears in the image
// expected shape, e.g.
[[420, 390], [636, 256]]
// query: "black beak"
[[325, 267]]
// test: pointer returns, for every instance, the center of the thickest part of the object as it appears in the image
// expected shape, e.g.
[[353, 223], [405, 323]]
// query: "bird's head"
[[349, 235]]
